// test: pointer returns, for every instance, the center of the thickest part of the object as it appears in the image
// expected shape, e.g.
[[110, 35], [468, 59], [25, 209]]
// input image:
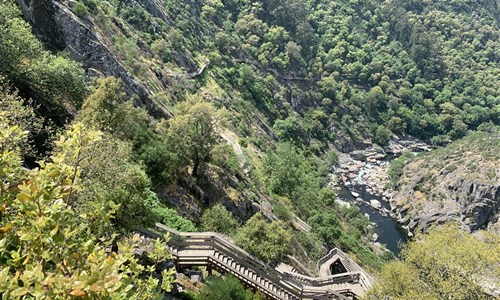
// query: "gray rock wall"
[[55, 24], [475, 205]]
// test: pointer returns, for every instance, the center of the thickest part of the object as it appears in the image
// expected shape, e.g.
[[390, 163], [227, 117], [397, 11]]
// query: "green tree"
[[382, 135], [108, 174], [219, 219], [19, 112], [290, 130], [109, 109], [59, 80], [169, 216], [445, 263], [326, 226], [289, 173], [396, 168], [191, 133], [269, 241], [50, 251]]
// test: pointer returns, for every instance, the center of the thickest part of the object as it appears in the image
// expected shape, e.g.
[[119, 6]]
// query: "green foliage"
[[253, 87], [314, 69], [191, 134], [269, 241], [108, 109], [18, 112], [312, 244], [291, 129], [109, 175], [396, 168], [169, 216], [290, 173], [56, 78], [379, 63], [219, 219], [48, 249], [162, 49], [80, 9], [327, 226], [382, 136], [226, 288], [223, 155], [445, 263]]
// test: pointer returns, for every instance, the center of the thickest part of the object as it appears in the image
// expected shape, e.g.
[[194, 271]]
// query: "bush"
[[80, 9], [219, 219], [223, 155], [227, 288], [267, 241], [446, 261], [382, 136], [172, 219], [396, 168]]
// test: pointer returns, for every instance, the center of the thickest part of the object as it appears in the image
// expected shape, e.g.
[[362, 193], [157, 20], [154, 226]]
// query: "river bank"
[[361, 180]]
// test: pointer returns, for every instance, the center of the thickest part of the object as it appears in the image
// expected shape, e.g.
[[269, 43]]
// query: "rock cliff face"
[[460, 182], [55, 24]]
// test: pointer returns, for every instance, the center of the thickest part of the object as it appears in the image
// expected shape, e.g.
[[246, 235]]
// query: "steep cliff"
[[460, 182], [61, 29]]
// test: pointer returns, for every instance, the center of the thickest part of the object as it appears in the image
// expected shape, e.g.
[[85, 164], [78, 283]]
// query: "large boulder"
[[375, 204]]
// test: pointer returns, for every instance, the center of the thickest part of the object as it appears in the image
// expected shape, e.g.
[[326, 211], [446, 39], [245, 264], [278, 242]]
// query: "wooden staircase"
[[219, 253]]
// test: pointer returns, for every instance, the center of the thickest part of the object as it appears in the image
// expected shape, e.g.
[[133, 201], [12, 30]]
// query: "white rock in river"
[[367, 216], [374, 237], [359, 200], [354, 194], [376, 204]]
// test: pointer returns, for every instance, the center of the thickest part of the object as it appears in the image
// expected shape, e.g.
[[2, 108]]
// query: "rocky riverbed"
[[361, 179], [369, 167]]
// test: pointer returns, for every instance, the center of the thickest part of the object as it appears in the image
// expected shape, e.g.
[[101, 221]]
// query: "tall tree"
[[219, 219], [191, 133]]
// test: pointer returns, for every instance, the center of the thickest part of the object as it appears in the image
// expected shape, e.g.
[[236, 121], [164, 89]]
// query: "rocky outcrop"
[[55, 24], [369, 167], [475, 205], [460, 182]]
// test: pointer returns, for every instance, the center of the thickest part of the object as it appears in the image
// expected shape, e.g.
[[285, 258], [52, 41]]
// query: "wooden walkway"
[[217, 252]]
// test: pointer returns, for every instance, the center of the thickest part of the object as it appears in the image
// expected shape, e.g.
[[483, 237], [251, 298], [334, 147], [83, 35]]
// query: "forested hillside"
[[354, 68], [216, 115]]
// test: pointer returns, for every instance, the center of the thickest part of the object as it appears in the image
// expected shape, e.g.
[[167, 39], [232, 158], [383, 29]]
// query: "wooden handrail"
[[295, 285], [351, 277]]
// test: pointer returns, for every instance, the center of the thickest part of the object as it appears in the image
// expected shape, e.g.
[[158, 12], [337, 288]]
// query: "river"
[[389, 231], [365, 173]]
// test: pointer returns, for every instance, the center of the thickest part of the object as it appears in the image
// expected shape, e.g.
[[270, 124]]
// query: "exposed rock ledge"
[[460, 182], [474, 204], [57, 25]]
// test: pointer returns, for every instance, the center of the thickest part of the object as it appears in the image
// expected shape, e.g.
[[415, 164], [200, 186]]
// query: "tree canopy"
[[269, 241], [218, 219], [445, 263]]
